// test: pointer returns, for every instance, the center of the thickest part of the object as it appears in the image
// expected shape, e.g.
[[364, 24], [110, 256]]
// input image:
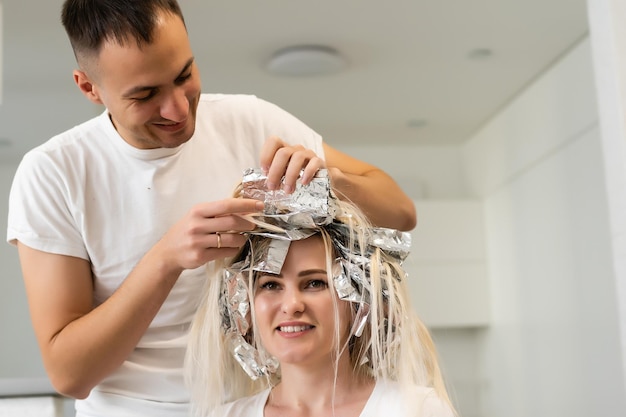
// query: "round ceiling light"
[[306, 60]]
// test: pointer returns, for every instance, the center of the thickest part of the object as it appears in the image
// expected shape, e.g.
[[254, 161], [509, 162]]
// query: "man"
[[115, 219]]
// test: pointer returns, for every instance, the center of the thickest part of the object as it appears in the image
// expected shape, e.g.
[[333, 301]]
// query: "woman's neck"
[[318, 391]]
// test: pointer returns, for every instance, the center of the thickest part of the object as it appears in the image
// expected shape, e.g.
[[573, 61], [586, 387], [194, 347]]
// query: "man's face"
[[151, 92]]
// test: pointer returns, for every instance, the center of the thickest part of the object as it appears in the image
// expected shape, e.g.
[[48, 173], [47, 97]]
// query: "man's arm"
[[370, 188], [81, 345]]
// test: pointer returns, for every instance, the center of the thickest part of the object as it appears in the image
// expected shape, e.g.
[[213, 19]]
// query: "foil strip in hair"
[[344, 282], [395, 242], [271, 261], [360, 320], [288, 231], [308, 206], [249, 357], [235, 293]]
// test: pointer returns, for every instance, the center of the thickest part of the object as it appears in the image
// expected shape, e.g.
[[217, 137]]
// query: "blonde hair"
[[394, 345]]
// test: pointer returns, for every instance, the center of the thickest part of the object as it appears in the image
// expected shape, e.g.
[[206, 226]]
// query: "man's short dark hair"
[[90, 23]]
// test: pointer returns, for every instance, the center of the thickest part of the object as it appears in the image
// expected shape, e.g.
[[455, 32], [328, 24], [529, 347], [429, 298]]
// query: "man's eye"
[[183, 78], [146, 97]]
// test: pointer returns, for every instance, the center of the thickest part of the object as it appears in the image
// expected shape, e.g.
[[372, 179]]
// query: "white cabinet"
[[447, 266]]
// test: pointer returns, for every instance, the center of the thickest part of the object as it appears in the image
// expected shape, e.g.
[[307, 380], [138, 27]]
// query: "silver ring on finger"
[[219, 240]]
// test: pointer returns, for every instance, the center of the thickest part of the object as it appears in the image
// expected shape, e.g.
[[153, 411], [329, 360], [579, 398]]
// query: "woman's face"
[[295, 310]]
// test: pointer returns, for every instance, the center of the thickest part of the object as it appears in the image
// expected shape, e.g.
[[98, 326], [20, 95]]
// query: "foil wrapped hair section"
[[308, 206], [392, 241], [272, 259], [250, 359], [235, 305]]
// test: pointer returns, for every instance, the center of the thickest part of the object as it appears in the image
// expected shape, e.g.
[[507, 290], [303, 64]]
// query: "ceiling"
[[419, 72]]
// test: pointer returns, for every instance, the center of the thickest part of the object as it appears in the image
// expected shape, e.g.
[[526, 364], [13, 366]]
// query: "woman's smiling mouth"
[[294, 329]]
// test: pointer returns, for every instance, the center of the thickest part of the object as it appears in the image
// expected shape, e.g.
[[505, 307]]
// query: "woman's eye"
[[269, 285], [317, 284]]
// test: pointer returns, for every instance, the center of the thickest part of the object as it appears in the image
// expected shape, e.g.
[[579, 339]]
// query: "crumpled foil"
[[272, 260], [249, 357], [392, 241], [296, 216], [308, 206]]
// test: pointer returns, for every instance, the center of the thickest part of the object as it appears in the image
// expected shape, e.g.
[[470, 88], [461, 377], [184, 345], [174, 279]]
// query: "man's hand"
[[284, 163], [207, 232]]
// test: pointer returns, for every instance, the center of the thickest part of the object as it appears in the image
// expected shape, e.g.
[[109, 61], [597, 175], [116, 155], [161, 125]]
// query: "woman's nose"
[[293, 302]]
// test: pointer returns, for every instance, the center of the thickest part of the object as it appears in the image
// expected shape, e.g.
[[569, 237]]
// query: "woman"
[[329, 331]]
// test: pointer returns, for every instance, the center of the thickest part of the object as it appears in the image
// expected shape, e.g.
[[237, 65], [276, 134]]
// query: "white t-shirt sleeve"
[[40, 213]]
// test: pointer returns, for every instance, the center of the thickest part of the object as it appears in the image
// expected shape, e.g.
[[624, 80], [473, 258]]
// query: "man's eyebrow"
[[141, 88]]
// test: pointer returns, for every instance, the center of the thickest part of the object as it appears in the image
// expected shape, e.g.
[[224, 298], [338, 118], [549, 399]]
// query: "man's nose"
[[176, 106]]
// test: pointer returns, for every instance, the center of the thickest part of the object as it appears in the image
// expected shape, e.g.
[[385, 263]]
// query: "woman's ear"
[[86, 86]]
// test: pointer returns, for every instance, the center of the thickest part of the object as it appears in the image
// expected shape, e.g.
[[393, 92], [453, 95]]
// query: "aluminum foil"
[[249, 357], [235, 301], [395, 242], [308, 206], [272, 260]]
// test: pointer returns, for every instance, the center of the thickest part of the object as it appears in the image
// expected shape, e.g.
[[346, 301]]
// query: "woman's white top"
[[387, 399]]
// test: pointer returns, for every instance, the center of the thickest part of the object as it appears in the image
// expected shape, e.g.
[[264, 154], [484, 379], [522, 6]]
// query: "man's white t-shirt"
[[387, 399], [87, 193]]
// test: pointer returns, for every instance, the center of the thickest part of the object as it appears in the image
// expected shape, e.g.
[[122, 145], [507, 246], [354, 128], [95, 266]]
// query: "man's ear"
[[87, 87]]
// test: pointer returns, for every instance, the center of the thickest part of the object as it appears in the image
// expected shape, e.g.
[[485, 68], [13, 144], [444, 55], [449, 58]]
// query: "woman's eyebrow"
[[311, 272], [270, 275]]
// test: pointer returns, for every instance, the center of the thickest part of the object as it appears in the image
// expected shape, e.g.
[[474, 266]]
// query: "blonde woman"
[[316, 319]]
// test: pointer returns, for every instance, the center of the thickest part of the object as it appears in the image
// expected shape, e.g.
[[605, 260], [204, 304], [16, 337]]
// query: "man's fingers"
[[268, 151], [228, 206], [227, 240]]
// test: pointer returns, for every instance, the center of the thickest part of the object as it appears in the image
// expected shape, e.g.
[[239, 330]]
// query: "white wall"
[[552, 348], [608, 39], [424, 172]]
